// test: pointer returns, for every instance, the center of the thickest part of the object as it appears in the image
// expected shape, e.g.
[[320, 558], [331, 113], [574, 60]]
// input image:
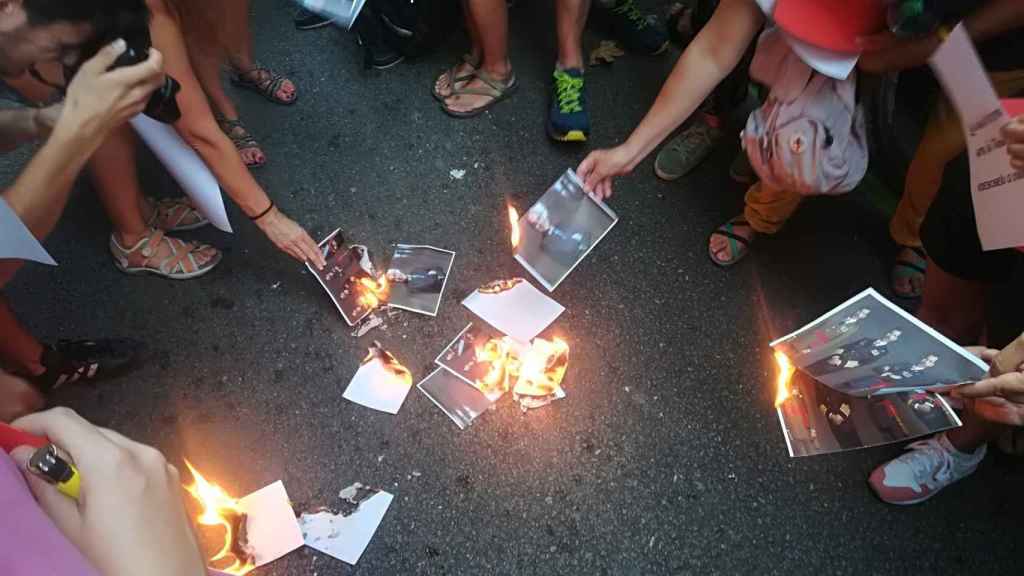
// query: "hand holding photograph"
[[560, 229], [349, 278]]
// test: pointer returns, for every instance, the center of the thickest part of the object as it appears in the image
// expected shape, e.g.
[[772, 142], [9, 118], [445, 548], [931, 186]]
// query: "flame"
[[786, 371], [220, 509], [390, 363], [535, 371], [513, 218], [372, 292], [499, 286]]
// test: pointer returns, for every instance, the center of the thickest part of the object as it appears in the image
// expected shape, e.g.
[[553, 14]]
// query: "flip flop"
[[738, 245], [453, 79], [494, 88]]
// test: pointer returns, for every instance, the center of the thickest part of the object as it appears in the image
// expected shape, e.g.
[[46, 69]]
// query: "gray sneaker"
[[687, 150], [741, 171]]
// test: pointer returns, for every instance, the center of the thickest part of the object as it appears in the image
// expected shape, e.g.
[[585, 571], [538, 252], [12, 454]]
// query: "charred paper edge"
[[330, 293]]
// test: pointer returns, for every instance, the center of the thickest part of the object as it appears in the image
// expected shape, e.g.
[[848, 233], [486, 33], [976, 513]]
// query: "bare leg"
[[113, 173], [570, 19], [953, 306], [489, 19], [19, 350], [441, 85], [237, 40]]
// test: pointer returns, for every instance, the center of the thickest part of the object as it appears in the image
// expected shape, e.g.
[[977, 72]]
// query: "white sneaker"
[[920, 473]]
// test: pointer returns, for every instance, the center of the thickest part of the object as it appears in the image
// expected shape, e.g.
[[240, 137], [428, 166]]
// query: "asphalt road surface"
[[665, 458]]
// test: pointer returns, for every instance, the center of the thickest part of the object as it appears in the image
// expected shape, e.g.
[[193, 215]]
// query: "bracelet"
[[264, 213]]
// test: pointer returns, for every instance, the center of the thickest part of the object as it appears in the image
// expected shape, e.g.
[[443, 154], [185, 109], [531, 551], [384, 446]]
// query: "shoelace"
[[631, 12], [922, 458], [568, 89]]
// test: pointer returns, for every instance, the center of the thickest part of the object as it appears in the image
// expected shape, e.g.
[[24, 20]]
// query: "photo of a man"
[[417, 276]]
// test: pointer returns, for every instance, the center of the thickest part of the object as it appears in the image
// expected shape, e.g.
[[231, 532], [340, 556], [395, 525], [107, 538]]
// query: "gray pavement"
[[666, 457]]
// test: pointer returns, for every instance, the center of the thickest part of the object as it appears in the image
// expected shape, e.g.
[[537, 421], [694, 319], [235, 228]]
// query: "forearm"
[[711, 56], [40, 192], [995, 18], [217, 151], [17, 126]]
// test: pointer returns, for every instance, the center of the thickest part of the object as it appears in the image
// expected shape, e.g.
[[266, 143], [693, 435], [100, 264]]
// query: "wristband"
[[264, 213]]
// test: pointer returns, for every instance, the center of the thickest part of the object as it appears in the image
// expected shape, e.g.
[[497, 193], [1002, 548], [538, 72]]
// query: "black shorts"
[[950, 233]]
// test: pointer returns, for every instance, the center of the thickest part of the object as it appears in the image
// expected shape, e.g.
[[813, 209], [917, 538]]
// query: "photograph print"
[[816, 419], [560, 229], [417, 277], [869, 346], [346, 267]]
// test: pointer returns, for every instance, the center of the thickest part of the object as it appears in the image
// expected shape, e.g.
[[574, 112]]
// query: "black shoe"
[[370, 33], [636, 30], [308, 20], [86, 360]]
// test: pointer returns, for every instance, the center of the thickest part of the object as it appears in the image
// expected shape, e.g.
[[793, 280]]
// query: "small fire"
[[786, 371], [372, 292], [499, 286], [220, 509], [513, 218], [400, 372], [534, 371]]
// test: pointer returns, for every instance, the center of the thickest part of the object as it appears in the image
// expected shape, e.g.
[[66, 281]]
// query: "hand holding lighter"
[[48, 464]]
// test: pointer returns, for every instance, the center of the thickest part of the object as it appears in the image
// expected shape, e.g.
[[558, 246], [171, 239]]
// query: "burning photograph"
[[869, 346], [558, 231], [816, 419], [461, 401], [381, 383], [349, 278], [417, 277]]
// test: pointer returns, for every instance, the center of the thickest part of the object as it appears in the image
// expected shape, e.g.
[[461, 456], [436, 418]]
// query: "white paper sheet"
[[346, 537], [272, 529], [186, 167], [377, 386], [16, 241], [997, 189], [521, 312], [342, 12]]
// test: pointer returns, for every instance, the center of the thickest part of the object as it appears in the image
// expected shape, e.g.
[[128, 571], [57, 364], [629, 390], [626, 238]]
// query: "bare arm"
[[995, 18], [711, 56], [21, 125]]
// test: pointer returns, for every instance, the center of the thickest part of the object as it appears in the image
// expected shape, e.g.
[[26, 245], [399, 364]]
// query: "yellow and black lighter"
[[48, 464]]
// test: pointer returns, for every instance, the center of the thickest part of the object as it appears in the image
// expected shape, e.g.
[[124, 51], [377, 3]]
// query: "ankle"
[[569, 63], [497, 69], [128, 239]]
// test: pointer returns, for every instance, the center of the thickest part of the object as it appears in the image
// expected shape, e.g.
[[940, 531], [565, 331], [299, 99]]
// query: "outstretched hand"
[[291, 238], [600, 166], [1000, 398]]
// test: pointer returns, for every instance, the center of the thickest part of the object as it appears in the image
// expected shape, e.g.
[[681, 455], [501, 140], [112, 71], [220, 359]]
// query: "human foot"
[[731, 242], [156, 253], [927, 467], [273, 86], [70, 361], [455, 77], [247, 146], [687, 150], [908, 272], [479, 94], [172, 214], [568, 117]]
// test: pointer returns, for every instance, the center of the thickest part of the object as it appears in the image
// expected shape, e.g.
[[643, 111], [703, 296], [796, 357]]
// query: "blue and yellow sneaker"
[[637, 31], [568, 119]]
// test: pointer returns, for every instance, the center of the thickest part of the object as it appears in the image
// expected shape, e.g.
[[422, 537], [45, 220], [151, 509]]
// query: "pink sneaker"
[[927, 467]]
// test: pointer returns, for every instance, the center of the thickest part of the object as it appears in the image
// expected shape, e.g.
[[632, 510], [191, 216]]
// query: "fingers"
[[1014, 135], [148, 73], [311, 251], [1009, 386], [63, 511], [986, 354], [105, 58], [605, 188], [1010, 358], [69, 431], [999, 411]]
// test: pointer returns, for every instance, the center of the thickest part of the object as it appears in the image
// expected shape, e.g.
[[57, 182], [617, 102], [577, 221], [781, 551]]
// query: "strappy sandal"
[[916, 266], [738, 245], [181, 264], [175, 215], [268, 85], [494, 88], [242, 139], [453, 79]]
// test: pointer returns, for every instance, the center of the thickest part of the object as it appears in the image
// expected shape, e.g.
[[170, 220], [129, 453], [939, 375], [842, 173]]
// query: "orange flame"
[[219, 509], [390, 363], [513, 218], [499, 286], [372, 292], [786, 371], [535, 371]]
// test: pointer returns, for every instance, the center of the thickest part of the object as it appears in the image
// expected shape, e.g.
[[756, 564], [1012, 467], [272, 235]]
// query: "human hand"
[[1014, 135], [885, 52], [600, 166], [291, 238], [99, 99], [999, 398], [130, 515]]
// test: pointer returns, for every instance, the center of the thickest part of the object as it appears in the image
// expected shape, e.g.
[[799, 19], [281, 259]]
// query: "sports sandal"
[[183, 262], [266, 82], [175, 214], [739, 246], [242, 140], [453, 80], [911, 264], [494, 88]]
